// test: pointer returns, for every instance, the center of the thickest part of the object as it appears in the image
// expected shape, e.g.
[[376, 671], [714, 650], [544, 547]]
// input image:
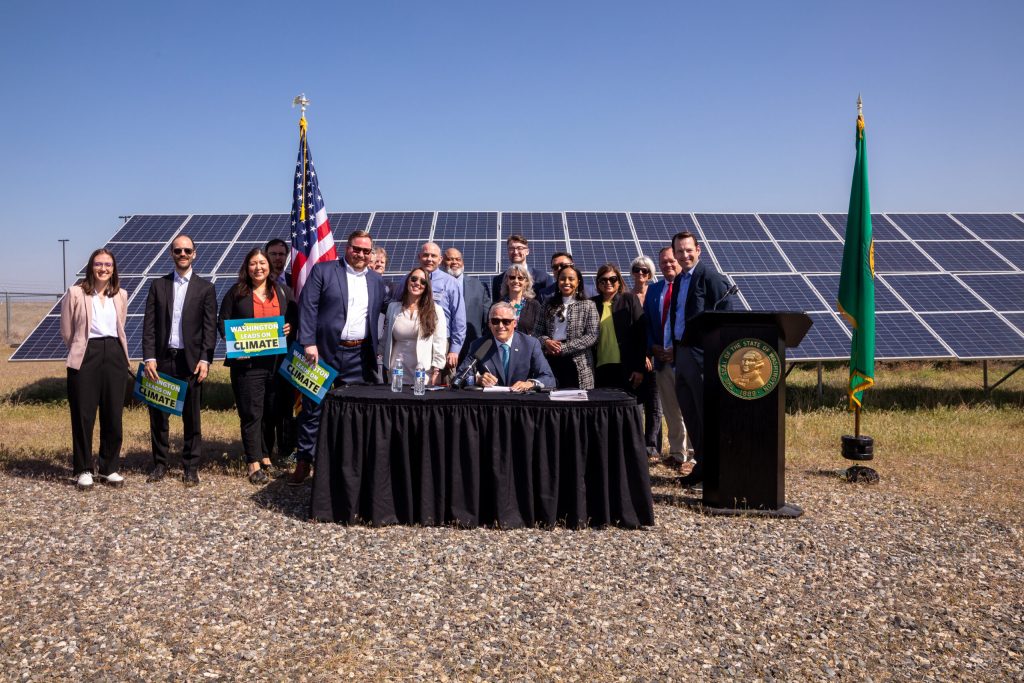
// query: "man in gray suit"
[[474, 294]]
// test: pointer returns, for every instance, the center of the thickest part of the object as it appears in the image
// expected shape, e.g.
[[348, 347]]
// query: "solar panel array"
[[948, 285]]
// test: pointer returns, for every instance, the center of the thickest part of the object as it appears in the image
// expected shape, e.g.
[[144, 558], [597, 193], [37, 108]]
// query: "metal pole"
[[984, 376], [856, 421], [7, 300], [64, 262], [821, 390]]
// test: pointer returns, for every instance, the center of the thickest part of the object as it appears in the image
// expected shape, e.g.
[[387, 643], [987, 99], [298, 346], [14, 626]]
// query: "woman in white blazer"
[[415, 329], [92, 317]]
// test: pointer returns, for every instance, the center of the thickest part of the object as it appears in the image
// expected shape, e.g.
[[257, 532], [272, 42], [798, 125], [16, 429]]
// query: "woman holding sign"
[[92, 316], [254, 353], [415, 330]]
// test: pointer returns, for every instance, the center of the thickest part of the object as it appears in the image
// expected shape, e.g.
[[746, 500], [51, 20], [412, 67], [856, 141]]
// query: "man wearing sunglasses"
[[559, 260], [339, 308], [179, 334], [515, 361]]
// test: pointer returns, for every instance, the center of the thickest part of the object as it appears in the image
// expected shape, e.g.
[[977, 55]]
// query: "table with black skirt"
[[474, 458]]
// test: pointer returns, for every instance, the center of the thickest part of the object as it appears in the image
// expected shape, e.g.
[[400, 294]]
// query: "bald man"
[[474, 294]]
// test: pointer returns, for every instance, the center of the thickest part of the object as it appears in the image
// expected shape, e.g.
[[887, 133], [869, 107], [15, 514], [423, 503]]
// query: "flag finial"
[[303, 102], [860, 105]]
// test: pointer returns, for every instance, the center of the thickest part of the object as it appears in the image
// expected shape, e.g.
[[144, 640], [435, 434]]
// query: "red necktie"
[[664, 307]]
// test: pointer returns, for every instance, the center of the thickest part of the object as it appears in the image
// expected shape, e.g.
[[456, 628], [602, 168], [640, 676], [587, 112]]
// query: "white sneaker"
[[84, 480], [113, 479]]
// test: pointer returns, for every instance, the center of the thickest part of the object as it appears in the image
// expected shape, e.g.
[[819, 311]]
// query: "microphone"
[[729, 292], [485, 348]]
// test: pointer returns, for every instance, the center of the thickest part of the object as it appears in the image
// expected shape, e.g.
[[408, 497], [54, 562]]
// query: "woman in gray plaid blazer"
[[568, 331]]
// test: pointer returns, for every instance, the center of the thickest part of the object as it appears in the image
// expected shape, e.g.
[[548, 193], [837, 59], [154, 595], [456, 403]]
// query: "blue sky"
[[117, 108]]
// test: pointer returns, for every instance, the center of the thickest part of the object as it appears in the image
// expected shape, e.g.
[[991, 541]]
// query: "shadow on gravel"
[[290, 501]]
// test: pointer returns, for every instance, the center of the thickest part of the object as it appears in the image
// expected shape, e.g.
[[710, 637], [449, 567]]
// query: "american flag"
[[312, 240]]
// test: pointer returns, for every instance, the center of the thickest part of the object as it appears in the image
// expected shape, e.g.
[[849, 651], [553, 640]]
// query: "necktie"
[[504, 360], [664, 306]]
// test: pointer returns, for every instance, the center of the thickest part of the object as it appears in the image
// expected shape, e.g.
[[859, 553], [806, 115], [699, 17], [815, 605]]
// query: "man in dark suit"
[[179, 334], [518, 250], [474, 295], [515, 360], [697, 288], [339, 307]]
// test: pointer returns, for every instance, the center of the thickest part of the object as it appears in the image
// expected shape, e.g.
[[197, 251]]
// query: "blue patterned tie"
[[504, 360]]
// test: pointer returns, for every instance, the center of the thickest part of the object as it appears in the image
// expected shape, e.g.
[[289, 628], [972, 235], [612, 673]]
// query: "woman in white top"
[[415, 330], [92, 317]]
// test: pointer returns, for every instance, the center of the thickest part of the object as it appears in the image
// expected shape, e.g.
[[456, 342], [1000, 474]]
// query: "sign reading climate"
[[749, 369], [248, 337]]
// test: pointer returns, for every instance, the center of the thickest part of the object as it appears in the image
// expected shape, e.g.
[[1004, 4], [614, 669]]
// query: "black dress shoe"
[[258, 477], [157, 473], [692, 479], [190, 478]]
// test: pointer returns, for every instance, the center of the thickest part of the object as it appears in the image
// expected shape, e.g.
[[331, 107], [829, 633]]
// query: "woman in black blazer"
[[253, 380], [621, 349]]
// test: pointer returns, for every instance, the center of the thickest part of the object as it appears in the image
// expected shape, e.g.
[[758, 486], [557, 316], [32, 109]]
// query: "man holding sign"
[[338, 311], [179, 333]]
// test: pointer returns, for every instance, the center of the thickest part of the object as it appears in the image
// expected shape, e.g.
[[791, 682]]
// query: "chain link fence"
[[22, 311]]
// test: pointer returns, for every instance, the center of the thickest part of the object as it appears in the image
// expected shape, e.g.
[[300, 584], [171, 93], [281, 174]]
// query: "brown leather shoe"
[[300, 474]]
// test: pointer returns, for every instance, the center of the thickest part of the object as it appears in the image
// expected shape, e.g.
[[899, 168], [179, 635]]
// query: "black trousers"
[[565, 372], [279, 423], [690, 394], [173, 363], [252, 382], [100, 382]]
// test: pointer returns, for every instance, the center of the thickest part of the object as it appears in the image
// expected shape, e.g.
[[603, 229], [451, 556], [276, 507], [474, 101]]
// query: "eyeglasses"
[[182, 250], [560, 266], [516, 278], [641, 270], [614, 279], [519, 248], [102, 264], [365, 251], [417, 280], [499, 322]]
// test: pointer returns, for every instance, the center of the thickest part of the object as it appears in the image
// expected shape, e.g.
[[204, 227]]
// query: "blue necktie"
[[504, 360]]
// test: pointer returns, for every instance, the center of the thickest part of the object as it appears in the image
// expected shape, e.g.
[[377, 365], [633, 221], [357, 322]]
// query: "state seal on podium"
[[749, 369]]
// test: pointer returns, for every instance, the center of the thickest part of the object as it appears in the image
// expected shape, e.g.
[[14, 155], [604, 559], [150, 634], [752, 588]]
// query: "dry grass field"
[[915, 578], [24, 318]]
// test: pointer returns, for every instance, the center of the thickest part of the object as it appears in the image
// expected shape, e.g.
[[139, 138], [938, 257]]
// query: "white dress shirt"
[[358, 304], [180, 289], [104, 317]]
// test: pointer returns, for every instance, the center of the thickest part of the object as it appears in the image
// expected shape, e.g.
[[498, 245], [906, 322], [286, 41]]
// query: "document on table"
[[504, 389], [569, 395]]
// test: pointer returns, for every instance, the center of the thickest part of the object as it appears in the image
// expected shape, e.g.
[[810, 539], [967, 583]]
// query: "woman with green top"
[[517, 289], [621, 350]]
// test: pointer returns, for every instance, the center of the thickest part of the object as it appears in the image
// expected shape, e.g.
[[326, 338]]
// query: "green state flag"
[[856, 282]]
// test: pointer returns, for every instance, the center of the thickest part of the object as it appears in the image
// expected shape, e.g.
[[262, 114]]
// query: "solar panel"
[[149, 228], [881, 229], [929, 226], [1011, 251], [798, 226], [219, 228], [937, 271], [779, 293], [589, 255], [134, 258], [1002, 292], [540, 254], [660, 227], [901, 257], [749, 257], [927, 293], [731, 226], [993, 226], [479, 256], [977, 335], [403, 255], [345, 223], [587, 225], [532, 226], [407, 225], [133, 331], [814, 257], [263, 227], [466, 225], [903, 336], [223, 285], [956, 256], [885, 299], [826, 340]]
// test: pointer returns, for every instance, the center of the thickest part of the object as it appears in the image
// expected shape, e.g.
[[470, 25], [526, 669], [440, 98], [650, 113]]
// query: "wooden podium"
[[745, 408]]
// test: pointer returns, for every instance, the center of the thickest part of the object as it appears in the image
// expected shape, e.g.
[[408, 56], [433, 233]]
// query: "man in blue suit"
[[660, 350], [699, 287], [515, 360], [338, 311]]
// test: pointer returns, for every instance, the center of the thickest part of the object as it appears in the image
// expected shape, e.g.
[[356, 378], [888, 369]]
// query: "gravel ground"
[[156, 582]]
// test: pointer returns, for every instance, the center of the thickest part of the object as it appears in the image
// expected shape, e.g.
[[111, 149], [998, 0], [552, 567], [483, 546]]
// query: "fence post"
[[7, 303]]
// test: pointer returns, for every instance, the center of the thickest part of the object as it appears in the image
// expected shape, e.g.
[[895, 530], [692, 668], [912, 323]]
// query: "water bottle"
[[397, 375], [419, 387]]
